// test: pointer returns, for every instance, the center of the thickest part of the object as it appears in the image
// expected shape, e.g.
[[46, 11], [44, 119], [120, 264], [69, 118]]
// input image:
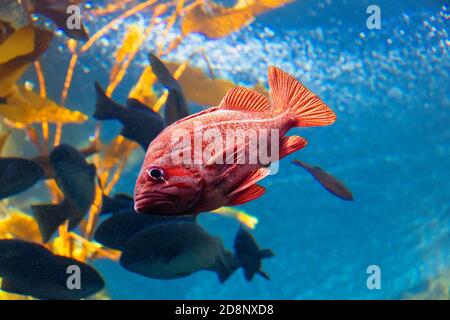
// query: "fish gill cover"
[[80, 106]]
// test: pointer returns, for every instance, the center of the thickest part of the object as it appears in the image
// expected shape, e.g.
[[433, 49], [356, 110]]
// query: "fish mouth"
[[151, 202]]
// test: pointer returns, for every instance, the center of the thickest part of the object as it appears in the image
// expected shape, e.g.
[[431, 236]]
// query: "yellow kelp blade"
[[239, 215], [25, 107], [143, 90], [20, 43], [23, 47], [215, 21], [18, 225], [3, 138], [203, 90], [133, 35], [260, 6], [199, 88]]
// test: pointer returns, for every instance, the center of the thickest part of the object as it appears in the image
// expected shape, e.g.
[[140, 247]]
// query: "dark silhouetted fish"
[[50, 216], [174, 250], [116, 231], [330, 183], [30, 269], [249, 255], [117, 203], [17, 175], [57, 11], [74, 176], [176, 105], [140, 123], [76, 179]]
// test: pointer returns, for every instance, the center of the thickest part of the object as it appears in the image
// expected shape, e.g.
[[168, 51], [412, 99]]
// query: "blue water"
[[390, 145]]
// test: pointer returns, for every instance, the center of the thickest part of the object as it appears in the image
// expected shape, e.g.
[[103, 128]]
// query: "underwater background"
[[390, 145]]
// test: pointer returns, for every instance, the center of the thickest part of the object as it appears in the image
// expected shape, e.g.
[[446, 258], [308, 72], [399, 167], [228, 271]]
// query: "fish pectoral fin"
[[244, 99], [251, 180], [266, 253], [291, 144], [246, 195]]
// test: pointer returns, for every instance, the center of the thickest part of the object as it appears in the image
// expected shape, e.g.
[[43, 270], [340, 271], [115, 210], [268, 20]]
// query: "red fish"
[[175, 180]]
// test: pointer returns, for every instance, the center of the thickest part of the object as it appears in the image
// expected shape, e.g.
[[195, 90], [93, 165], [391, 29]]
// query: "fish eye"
[[156, 173]]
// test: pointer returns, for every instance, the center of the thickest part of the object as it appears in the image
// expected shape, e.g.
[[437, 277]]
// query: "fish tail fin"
[[303, 106], [49, 217], [163, 74], [105, 107]]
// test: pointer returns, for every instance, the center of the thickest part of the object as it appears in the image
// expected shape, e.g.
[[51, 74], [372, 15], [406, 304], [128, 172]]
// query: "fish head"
[[167, 190]]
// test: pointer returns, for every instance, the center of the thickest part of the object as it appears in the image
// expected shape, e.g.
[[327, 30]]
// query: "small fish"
[[176, 105], [175, 250], [329, 182], [56, 10], [116, 231], [74, 176], [169, 186], [18, 175], [30, 269], [50, 216], [76, 179], [249, 255], [140, 124]]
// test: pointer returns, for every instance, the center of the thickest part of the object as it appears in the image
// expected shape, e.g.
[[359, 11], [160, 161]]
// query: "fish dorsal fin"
[[203, 112], [244, 99]]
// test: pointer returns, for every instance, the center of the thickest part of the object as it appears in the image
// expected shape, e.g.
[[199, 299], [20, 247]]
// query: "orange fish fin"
[[209, 110], [246, 195], [244, 99], [289, 94], [251, 180], [291, 144]]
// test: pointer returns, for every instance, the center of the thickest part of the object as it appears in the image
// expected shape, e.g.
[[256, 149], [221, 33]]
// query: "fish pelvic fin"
[[264, 275], [303, 106], [105, 107], [49, 217], [291, 144]]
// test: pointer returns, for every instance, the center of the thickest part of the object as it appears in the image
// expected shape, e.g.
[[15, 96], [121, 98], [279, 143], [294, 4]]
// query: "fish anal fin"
[[244, 99], [246, 195], [251, 180], [289, 95], [291, 144]]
